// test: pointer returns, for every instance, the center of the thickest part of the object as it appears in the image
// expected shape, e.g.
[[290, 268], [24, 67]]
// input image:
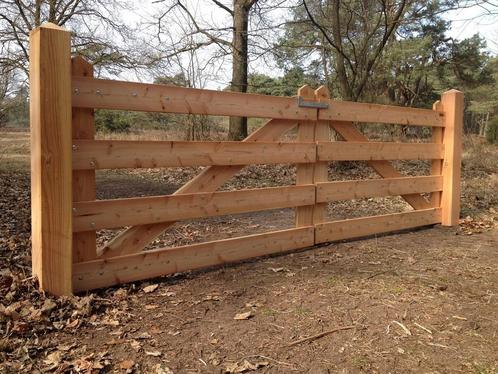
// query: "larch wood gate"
[[65, 155]]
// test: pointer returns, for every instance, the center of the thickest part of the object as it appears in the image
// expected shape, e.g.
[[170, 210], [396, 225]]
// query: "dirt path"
[[442, 287]]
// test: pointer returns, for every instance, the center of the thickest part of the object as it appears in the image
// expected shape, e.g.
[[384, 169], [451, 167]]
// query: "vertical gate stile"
[[51, 159], [305, 172], [437, 165], [322, 134], [84, 189]]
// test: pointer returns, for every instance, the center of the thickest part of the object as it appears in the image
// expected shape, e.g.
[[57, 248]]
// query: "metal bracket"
[[311, 104]]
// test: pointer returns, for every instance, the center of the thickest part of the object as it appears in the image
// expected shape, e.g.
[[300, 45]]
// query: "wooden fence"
[[65, 155]]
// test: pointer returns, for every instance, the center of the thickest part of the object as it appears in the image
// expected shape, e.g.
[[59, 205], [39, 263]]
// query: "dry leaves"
[[244, 366], [150, 288], [243, 316]]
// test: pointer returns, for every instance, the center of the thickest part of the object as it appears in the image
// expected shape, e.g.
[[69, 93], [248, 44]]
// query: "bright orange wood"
[[102, 214], [136, 238], [452, 104], [84, 188], [305, 172], [359, 189], [384, 168], [115, 154], [159, 262], [358, 227], [350, 151], [112, 94], [347, 111], [437, 165], [50, 118], [321, 168]]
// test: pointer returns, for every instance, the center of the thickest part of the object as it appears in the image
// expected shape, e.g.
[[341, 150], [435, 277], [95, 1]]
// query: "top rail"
[[376, 113], [111, 94]]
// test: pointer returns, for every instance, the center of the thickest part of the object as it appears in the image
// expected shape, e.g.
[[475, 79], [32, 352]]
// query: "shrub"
[[112, 121], [492, 131]]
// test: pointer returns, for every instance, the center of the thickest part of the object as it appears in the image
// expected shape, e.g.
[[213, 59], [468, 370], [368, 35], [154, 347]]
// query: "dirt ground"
[[418, 301]]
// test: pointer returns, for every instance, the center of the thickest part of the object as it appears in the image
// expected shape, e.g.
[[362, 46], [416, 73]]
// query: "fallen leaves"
[[153, 353], [126, 364], [151, 288], [244, 366], [243, 316]]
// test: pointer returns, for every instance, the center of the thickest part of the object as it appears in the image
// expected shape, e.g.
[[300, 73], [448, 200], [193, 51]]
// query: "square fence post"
[[452, 105], [51, 161]]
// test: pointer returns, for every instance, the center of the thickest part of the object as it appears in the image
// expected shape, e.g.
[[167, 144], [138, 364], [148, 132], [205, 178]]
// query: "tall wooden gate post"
[[452, 105], [50, 118]]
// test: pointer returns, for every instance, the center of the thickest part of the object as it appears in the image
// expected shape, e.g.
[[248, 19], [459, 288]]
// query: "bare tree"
[[96, 25], [231, 40]]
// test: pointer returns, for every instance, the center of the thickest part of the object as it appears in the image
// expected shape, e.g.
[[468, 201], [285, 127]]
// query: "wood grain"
[[159, 262], [50, 118]]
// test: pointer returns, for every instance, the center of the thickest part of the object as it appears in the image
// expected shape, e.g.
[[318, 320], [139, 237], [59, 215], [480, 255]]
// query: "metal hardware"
[[311, 104]]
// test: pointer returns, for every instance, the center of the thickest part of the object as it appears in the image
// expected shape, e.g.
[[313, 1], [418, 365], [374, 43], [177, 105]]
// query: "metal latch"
[[311, 104]]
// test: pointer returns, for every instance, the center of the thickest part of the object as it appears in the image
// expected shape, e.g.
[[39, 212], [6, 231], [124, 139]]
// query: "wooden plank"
[[50, 116], [305, 172], [375, 113], [320, 174], [114, 154], [84, 188], [384, 168], [437, 165], [159, 262], [358, 189], [135, 238], [452, 104], [110, 94], [344, 151], [358, 227], [102, 214]]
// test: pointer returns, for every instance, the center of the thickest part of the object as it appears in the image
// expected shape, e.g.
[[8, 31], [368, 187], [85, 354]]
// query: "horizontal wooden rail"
[[111, 94], [159, 262], [358, 227], [114, 154], [100, 214], [375, 113], [351, 151], [358, 189]]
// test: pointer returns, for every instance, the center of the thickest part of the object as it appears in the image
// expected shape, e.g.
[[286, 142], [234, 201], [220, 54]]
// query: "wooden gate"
[[65, 155]]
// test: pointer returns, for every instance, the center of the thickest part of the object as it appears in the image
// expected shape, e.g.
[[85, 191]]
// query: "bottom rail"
[[108, 272], [149, 264], [358, 227]]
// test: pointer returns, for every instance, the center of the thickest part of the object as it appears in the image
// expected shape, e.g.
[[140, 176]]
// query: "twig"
[[422, 327], [376, 274], [318, 336], [405, 329]]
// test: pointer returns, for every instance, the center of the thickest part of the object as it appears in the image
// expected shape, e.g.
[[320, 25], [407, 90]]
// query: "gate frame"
[[59, 97]]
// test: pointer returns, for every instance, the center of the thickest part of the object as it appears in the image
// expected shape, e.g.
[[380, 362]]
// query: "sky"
[[464, 24], [467, 22]]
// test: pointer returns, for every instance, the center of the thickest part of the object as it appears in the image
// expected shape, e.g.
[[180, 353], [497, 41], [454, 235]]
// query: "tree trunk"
[[238, 125]]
